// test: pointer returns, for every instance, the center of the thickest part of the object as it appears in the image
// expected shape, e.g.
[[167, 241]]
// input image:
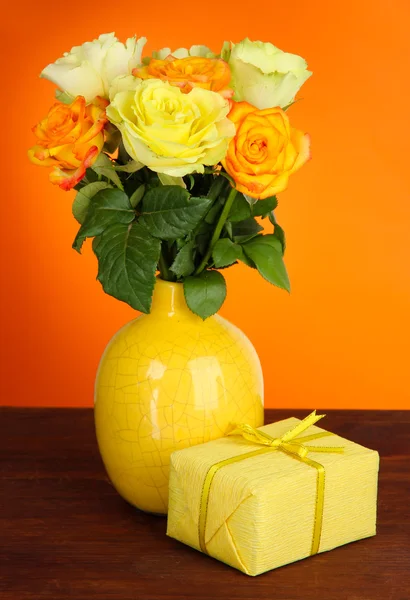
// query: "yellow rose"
[[69, 139], [265, 150], [169, 131]]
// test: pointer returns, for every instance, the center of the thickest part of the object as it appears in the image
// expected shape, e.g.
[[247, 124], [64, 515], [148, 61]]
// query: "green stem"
[[213, 194], [217, 231], [164, 271]]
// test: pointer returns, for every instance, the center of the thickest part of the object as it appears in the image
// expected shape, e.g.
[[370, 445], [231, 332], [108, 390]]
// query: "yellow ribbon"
[[287, 444]]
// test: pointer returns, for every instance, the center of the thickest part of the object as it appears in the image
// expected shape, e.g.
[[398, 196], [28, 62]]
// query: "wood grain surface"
[[65, 532]]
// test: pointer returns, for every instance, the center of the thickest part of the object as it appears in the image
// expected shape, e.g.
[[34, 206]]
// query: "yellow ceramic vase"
[[166, 381]]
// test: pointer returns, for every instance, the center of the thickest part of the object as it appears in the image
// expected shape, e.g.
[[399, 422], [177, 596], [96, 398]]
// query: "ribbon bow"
[[287, 442]]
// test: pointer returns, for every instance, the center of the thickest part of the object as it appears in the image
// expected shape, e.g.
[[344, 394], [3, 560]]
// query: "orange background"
[[341, 339]]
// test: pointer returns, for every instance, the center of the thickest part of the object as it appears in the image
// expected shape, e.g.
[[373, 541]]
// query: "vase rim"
[[169, 299], [161, 281]]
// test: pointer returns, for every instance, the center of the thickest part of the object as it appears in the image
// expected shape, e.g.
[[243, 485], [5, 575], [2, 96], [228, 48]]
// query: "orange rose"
[[186, 73], [265, 150], [69, 139]]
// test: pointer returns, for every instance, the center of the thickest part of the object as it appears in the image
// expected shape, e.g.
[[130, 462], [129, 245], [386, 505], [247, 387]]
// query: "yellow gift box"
[[262, 498]]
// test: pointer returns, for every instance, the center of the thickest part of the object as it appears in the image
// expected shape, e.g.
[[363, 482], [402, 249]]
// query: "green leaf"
[[262, 208], [245, 230], [250, 200], [64, 97], [183, 264], [107, 207], [83, 197], [95, 243], [191, 181], [169, 212], [131, 167], [240, 209], [266, 252], [226, 253], [170, 180], [205, 293], [104, 166], [246, 260], [203, 235], [127, 261], [228, 229], [137, 196], [291, 103], [288, 106], [278, 232], [152, 181], [90, 177]]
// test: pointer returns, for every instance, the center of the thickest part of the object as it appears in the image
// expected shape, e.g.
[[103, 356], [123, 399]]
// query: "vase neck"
[[168, 300]]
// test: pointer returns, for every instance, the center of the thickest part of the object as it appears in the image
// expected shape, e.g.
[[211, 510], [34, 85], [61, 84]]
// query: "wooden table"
[[65, 533]]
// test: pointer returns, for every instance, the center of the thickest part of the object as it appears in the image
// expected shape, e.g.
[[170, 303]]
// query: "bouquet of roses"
[[176, 158]]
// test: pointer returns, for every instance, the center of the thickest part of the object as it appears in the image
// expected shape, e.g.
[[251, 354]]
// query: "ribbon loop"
[[252, 435], [285, 442]]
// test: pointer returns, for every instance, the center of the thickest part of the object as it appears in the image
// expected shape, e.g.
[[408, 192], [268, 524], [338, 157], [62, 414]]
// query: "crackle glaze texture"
[[167, 381]]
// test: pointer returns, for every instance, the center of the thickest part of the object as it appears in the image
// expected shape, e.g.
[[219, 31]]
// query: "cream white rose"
[[198, 50], [168, 131], [122, 83], [88, 70], [263, 75]]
